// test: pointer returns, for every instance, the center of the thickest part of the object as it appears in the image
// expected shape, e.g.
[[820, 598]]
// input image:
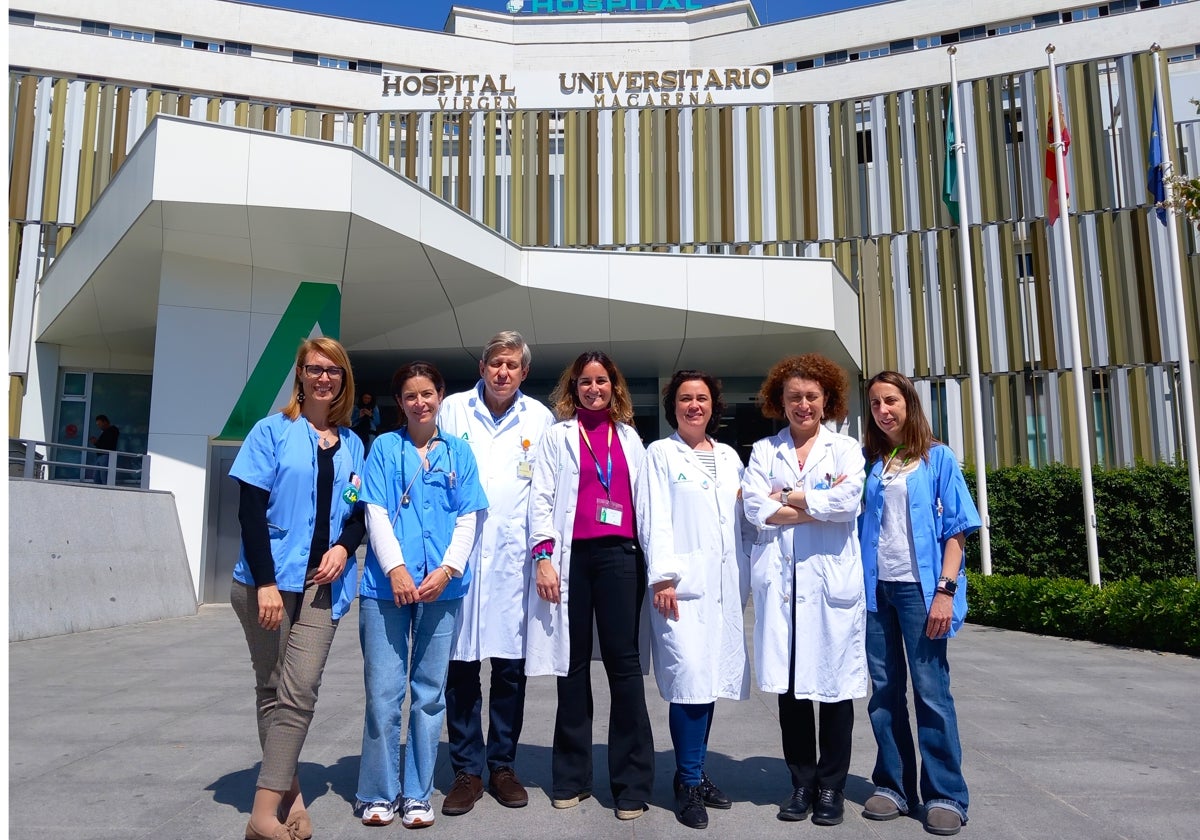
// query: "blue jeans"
[[896, 647], [387, 634], [690, 724]]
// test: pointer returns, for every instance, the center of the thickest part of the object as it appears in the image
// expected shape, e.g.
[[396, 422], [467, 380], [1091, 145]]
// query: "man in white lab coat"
[[503, 427]]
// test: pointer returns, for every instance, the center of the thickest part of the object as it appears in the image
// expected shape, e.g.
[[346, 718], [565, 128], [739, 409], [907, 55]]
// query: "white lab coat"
[[553, 497], [491, 621], [830, 604], [694, 534]]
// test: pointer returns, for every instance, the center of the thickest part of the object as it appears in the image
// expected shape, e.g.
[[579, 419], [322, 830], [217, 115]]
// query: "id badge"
[[525, 469], [609, 513]]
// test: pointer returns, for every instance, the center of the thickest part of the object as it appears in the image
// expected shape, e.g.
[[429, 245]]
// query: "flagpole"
[[1068, 258], [968, 289], [1186, 406]]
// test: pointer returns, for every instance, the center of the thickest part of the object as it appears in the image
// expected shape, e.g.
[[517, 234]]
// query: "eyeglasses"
[[315, 371]]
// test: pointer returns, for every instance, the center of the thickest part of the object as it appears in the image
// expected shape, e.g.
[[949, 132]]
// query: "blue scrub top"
[[940, 506], [280, 456], [449, 489]]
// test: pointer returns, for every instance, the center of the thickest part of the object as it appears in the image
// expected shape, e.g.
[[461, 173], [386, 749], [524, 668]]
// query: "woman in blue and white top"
[[423, 497], [696, 541], [917, 514], [298, 472]]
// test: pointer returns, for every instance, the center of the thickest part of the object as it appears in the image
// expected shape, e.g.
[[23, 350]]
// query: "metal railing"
[[77, 464]]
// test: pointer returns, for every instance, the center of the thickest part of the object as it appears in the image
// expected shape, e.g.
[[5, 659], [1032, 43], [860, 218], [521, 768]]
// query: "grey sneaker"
[[880, 807], [942, 821]]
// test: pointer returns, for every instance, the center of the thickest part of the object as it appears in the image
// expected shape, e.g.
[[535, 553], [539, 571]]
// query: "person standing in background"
[[106, 440], [503, 427]]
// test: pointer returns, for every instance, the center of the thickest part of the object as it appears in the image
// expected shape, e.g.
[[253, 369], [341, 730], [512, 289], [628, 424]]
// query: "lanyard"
[[605, 482]]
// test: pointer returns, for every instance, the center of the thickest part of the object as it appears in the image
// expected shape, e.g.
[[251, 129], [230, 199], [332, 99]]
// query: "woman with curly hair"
[[588, 565], [802, 490]]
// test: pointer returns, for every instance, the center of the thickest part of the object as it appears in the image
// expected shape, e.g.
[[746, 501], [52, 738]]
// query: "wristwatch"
[[783, 496], [947, 585]]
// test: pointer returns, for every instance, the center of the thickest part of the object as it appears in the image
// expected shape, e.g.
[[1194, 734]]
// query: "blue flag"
[[1154, 176]]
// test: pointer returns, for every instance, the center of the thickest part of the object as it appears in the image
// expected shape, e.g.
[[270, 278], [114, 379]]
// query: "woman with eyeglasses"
[[423, 496], [917, 514], [802, 490], [299, 476], [588, 565]]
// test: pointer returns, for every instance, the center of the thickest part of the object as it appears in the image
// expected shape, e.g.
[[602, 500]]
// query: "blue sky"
[[431, 14]]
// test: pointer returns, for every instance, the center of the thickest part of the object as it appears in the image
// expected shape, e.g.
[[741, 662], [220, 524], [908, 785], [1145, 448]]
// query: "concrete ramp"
[[85, 558]]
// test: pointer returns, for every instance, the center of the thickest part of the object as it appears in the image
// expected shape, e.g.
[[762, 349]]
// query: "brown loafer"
[[300, 824], [507, 788], [464, 793], [281, 832]]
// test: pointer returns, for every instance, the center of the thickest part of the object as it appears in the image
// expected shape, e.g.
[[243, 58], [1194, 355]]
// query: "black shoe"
[[689, 807], [829, 808], [714, 797], [795, 807]]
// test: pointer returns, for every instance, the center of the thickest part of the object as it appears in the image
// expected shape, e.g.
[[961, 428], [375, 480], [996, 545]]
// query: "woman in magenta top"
[[589, 564]]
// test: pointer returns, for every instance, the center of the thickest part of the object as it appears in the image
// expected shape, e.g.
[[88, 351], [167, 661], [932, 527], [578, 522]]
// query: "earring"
[[300, 395]]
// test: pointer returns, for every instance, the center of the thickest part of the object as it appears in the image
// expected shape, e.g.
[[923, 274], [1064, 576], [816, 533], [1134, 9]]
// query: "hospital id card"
[[525, 469], [609, 513]]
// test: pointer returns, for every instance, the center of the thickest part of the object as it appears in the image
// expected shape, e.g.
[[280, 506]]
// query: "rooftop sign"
[[553, 7], [533, 90]]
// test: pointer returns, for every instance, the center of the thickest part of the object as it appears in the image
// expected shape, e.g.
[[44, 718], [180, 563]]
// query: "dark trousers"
[[798, 728], [608, 581], [464, 715]]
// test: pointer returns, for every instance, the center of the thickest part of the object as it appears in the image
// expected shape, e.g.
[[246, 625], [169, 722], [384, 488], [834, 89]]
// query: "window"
[[336, 63], [236, 48], [866, 150], [131, 35], [21, 18], [208, 46], [949, 37], [972, 33], [304, 57], [806, 64], [931, 41], [839, 57], [364, 66], [91, 27], [1049, 19], [171, 39], [901, 46]]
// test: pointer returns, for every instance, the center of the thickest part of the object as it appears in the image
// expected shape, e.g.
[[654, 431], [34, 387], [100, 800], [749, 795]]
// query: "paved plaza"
[[148, 731]]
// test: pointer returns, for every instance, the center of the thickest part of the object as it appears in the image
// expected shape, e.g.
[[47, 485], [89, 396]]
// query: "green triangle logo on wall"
[[313, 305]]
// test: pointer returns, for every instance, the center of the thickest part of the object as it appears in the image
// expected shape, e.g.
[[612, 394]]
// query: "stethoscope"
[[405, 498]]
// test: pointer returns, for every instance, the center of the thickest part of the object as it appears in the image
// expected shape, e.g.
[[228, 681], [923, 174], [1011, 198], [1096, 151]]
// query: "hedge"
[[1159, 615], [1143, 522]]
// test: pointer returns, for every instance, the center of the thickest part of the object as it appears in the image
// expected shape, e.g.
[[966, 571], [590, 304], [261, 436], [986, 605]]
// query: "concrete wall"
[[83, 558]]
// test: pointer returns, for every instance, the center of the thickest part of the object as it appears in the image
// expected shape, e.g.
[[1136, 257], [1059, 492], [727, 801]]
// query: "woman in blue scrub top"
[[423, 497], [916, 517], [299, 476]]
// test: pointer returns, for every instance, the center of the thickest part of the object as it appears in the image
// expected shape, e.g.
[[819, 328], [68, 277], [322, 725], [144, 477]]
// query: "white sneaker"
[[417, 813], [379, 813]]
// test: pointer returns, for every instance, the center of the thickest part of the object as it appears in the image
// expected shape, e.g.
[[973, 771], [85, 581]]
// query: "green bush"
[[1143, 522], [1160, 615]]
